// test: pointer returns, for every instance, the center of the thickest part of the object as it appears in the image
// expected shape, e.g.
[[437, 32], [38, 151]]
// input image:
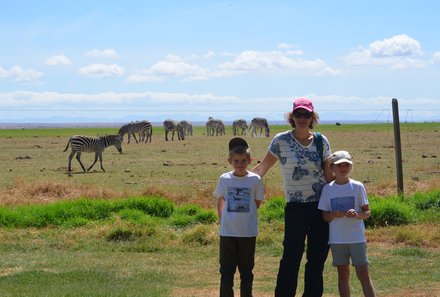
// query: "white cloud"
[[102, 70], [251, 61], [20, 75], [3, 73], [255, 62], [58, 60], [397, 52], [285, 46], [158, 105], [105, 53], [399, 45], [171, 66], [436, 57]]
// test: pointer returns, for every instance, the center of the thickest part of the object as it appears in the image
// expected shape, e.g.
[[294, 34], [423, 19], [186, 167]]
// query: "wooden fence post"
[[398, 147]]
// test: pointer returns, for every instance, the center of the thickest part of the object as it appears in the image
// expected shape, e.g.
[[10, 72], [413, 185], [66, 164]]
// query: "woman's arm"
[[268, 161], [328, 172]]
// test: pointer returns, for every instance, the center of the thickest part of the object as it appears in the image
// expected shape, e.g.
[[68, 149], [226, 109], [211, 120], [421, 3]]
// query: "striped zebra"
[[239, 124], [259, 123], [187, 127], [141, 127], [173, 126], [215, 125], [80, 144]]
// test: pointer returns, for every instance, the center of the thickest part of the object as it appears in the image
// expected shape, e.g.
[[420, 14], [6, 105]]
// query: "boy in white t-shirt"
[[345, 205], [239, 193]]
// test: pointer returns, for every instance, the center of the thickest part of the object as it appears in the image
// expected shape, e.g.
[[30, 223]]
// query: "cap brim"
[[236, 142], [343, 161], [303, 107]]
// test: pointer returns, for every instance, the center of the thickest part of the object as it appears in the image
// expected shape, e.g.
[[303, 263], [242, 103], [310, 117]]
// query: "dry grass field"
[[34, 166]]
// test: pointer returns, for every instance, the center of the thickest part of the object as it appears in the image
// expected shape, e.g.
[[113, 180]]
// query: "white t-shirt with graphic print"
[[351, 195], [300, 166], [239, 216]]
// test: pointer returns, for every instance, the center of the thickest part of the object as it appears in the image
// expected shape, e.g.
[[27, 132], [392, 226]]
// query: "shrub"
[[132, 215], [206, 216], [181, 220], [424, 201], [389, 212], [273, 209], [200, 234], [75, 222], [120, 235], [154, 206], [187, 214]]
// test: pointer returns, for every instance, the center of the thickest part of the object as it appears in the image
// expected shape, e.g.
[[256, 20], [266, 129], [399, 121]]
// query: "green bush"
[[188, 214], [389, 211], [181, 220], [79, 212], [120, 235], [424, 201], [272, 210], [200, 234], [154, 206]]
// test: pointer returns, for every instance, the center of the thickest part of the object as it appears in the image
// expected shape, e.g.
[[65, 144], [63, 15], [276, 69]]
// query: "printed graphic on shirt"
[[239, 199], [342, 203]]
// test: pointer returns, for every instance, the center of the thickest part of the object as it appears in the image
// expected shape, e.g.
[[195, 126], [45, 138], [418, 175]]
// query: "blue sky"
[[74, 61]]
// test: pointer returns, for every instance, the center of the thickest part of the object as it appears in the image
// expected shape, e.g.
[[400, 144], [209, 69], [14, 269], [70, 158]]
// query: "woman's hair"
[[313, 123]]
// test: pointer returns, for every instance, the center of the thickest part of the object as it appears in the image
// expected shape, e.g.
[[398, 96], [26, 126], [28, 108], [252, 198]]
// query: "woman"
[[305, 173]]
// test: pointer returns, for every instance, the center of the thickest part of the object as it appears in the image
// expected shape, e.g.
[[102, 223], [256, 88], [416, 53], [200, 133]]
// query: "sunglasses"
[[306, 115]]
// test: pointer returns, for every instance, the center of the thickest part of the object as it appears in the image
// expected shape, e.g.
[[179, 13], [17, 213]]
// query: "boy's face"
[[239, 162], [341, 169]]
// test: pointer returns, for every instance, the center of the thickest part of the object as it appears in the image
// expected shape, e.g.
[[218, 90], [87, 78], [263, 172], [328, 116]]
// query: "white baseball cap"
[[341, 157]]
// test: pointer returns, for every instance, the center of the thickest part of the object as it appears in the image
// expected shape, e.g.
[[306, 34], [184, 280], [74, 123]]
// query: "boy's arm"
[[364, 214], [258, 203], [328, 216], [220, 206]]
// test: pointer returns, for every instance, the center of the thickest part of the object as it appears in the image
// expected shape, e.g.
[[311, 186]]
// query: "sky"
[[116, 61]]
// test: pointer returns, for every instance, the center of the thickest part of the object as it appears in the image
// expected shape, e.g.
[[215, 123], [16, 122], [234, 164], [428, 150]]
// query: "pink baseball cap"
[[303, 103]]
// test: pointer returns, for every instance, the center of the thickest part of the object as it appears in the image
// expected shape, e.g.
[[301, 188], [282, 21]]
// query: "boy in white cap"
[[345, 205], [239, 193]]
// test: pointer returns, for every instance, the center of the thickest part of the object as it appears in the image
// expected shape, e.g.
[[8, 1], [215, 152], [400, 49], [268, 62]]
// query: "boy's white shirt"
[[343, 197], [239, 216]]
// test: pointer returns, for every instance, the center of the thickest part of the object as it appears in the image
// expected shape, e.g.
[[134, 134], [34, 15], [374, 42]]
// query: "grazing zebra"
[[259, 123], [170, 125], [187, 127], [141, 127], [214, 125], [89, 144], [239, 124]]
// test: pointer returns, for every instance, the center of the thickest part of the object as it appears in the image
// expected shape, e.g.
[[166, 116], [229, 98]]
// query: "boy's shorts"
[[342, 253]]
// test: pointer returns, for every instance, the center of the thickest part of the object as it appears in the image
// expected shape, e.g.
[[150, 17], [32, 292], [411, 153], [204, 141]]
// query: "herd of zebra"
[[144, 131]]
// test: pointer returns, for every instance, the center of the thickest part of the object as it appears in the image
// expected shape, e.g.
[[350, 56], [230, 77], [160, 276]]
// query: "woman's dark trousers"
[[303, 220]]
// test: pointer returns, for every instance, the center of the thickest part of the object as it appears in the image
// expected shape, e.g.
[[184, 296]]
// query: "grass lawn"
[[154, 259], [81, 262]]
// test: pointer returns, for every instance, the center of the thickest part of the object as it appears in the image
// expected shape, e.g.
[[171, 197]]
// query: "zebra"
[[170, 125], [214, 125], [239, 124], [187, 127], [259, 123], [141, 127], [88, 144]]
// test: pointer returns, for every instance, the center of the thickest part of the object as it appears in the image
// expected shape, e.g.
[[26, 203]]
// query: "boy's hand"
[[351, 213]]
